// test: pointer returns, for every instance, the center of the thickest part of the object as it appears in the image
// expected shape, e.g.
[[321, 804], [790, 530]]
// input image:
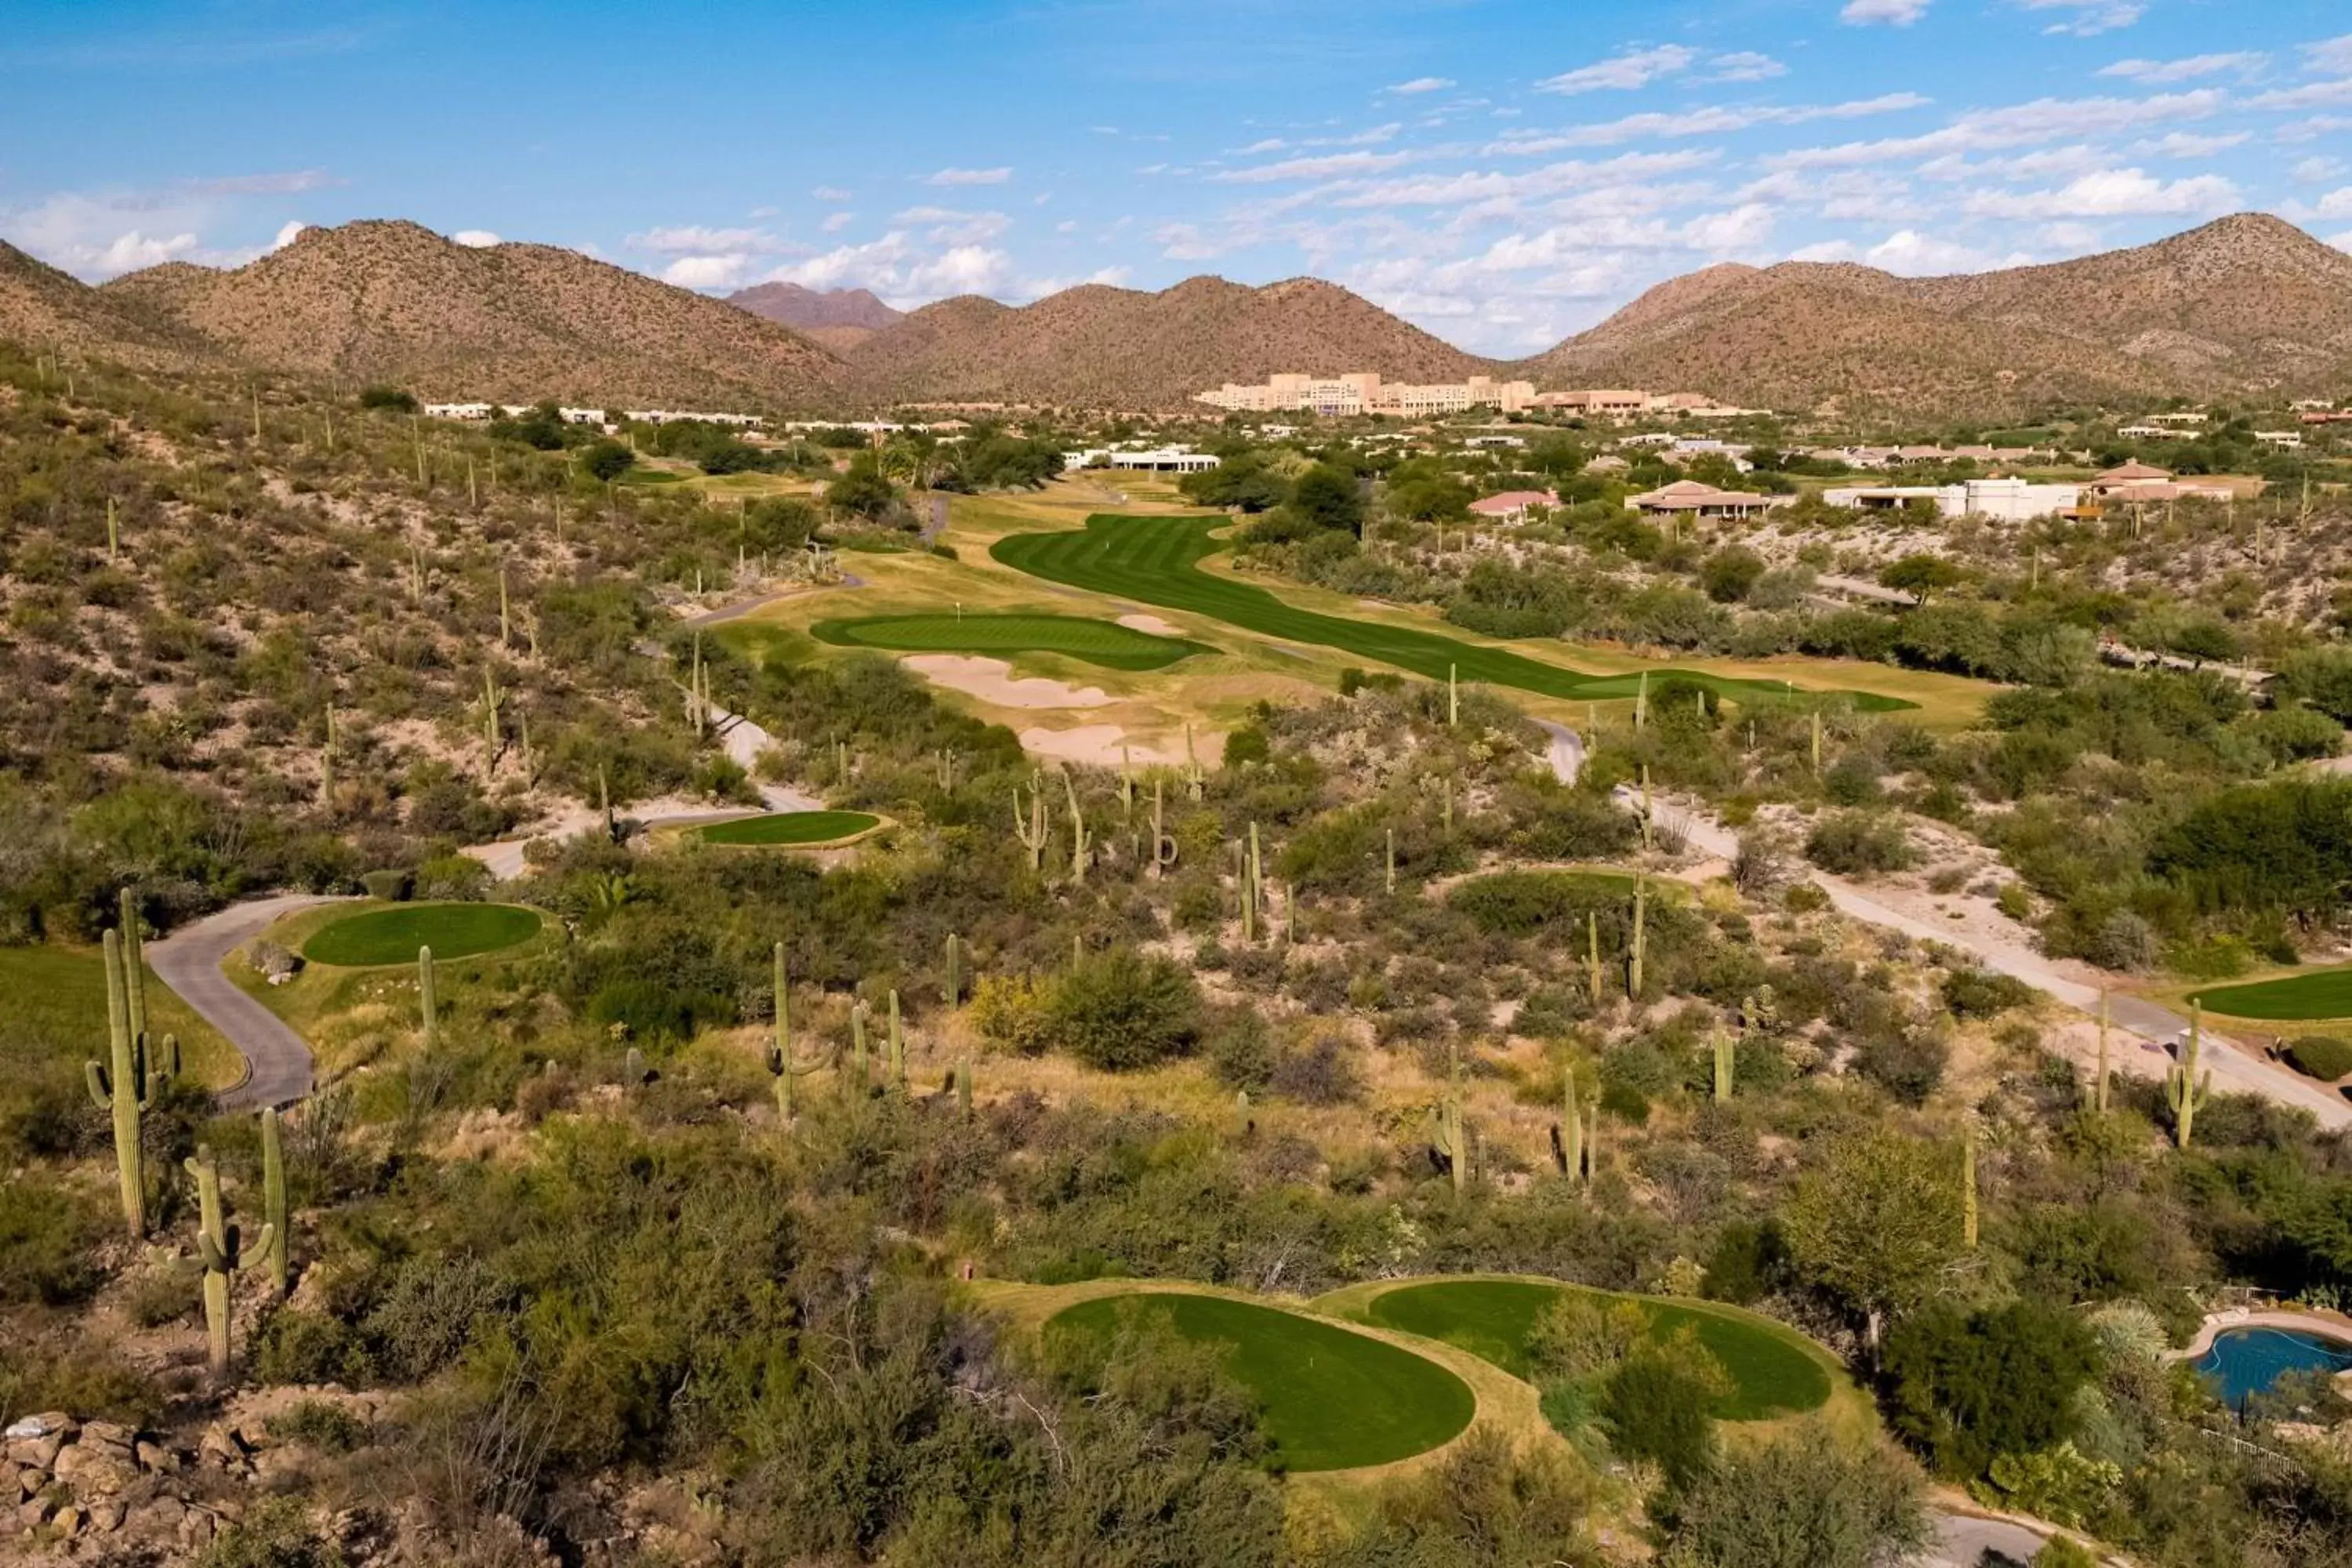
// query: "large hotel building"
[[1364, 392]]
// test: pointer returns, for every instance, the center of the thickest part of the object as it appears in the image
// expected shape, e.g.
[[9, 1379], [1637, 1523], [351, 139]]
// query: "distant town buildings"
[[2004, 500], [598, 417], [1895, 457], [1364, 392], [1631, 403]]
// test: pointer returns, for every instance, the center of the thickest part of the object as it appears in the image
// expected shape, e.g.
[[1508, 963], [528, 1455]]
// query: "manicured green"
[[2322, 993], [1106, 643], [1328, 1398], [1156, 560], [803, 827], [1776, 1370], [392, 934]]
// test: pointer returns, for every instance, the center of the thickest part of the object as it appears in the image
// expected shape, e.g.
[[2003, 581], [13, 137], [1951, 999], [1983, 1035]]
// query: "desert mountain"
[[840, 319], [393, 301], [1096, 346], [2241, 303], [45, 310]]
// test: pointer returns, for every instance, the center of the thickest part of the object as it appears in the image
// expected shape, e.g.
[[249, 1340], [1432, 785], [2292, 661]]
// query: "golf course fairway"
[[2322, 993], [1156, 560], [1777, 1371], [801, 829], [392, 934], [1328, 1398], [1106, 643]]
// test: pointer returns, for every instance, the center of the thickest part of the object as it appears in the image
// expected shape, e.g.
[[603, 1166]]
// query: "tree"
[[1920, 575], [1809, 1497], [1117, 1010], [1659, 1402], [1969, 1387], [1730, 573], [607, 459], [390, 399], [862, 489], [1877, 1225], [1326, 496]]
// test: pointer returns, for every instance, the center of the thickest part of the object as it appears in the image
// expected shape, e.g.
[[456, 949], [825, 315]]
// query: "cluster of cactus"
[[135, 1072], [1031, 829], [1452, 1142], [781, 1064], [2185, 1089], [1759, 1011], [220, 1248]]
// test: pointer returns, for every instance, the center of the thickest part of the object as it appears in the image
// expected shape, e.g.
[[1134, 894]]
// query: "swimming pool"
[[2246, 1361]]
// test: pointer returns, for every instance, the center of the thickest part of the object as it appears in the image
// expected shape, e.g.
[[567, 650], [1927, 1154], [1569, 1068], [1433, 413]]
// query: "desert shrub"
[[1906, 1063], [48, 1238], [161, 1296], [1658, 1403], [321, 1423], [1582, 1336], [1323, 1073], [1968, 1387], [1854, 843], [1809, 1497], [1013, 1011], [1984, 994], [2321, 1056], [1239, 1049], [1805, 898], [1120, 1010]]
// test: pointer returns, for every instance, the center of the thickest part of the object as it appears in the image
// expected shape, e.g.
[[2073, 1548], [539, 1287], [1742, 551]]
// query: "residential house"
[[1512, 506], [1689, 498]]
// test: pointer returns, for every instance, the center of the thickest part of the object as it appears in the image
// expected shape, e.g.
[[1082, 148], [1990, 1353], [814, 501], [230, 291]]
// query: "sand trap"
[[1142, 622], [1097, 746], [992, 681]]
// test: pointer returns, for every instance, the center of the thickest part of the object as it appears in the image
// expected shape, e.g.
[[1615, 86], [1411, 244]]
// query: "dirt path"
[[277, 1059]]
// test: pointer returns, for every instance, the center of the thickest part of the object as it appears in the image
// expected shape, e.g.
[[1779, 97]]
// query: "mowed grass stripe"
[[1156, 560], [1776, 1371], [1328, 1398], [393, 935], [1104, 642], [2322, 993]]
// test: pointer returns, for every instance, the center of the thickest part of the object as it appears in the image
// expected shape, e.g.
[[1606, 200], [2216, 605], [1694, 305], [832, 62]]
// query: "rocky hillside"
[[393, 301], [2246, 301], [45, 310], [840, 319], [1096, 346]]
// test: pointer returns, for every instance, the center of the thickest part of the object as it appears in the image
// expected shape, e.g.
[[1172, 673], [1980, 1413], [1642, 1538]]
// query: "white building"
[[2284, 440], [2004, 500], [1156, 459], [1364, 392], [683, 415], [458, 410]]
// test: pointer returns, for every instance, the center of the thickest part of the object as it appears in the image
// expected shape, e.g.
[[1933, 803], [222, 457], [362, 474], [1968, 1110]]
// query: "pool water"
[[2246, 1361]]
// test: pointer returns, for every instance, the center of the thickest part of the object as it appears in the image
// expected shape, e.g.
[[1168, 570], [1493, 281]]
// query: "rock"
[[220, 1446], [92, 1469], [164, 1514], [39, 1453], [196, 1528], [106, 1516], [155, 1456], [107, 1433], [67, 1523], [272, 962], [32, 1511]]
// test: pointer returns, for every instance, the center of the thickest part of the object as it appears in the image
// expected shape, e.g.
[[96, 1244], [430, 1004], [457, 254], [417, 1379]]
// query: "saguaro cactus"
[[278, 1233], [1453, 698], [1082, 842], [898, 1044], [2184, 1090], [1391, 865], [1726, 1063], [1640, 942], [1968, 1184], [492, 697], [1646, 815], [1192, 777], [781, 1064], [1642, 701], [1031, 830], [220, 1247], [130, 1080], [857, 1042], [953, 988], [1593, 955], [1572, 1129], [428, 1004], [963, 1086], [1449, 1137]]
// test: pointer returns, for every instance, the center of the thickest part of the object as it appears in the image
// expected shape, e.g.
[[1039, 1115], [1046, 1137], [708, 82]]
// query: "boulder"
[[92, 1470], [155, 1456]]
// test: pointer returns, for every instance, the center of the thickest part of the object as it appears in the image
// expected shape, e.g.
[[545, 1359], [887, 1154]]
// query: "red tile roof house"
[[1690, 497], [1511, 506]]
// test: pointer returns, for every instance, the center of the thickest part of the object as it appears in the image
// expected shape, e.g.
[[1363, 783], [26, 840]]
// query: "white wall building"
[[1156, 459], [457, 410], [1364, 392], [2004, 500]]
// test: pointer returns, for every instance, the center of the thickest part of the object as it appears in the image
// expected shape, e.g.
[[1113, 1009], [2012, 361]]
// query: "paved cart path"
[[277, 1060]]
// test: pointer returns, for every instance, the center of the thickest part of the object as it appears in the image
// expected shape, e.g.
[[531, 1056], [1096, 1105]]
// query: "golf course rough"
[[1328, 1398], [394, 933], [1774, 1370], [2321, 994], [1104, 642], [1156, 560], [798, 828]]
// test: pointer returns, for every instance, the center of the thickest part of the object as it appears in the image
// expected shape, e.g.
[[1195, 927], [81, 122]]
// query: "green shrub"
[[1119, 1010], [2321, 1056], [1853, 843], [321, 1423], [1658, 1403], [48, 1243]]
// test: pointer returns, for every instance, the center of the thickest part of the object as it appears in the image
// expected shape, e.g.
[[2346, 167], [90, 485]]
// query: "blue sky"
[[1501, 172]]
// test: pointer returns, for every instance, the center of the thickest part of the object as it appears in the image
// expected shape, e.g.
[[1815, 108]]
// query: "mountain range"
[[2243, 303]]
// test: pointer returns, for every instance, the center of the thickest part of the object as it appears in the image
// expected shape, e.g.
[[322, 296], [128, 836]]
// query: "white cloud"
[[2111, 193], [968, 176], [902, 272], [2016, 125], [291, 183], [696, 239], [2341, 241], [2311, 95], [1183, 242], [1329, 165], [2190, 144], [286, 235], [1895, 12], [1744, 65], [706, 271], [1551, 180], [2315, 171], [1714, 121], [2329, 55], [2335, 203], [1635, 68], [2088, 18], [2185, 69], [830, 194], [835, 222], [130, 252], [1421, 84], [1912, 254], [475, 238], [949, 226], [757, 213]]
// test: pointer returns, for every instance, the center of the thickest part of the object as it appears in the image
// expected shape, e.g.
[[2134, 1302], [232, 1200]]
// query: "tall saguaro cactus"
[[220, 1247], [279, 1232], [1968, 1184], [1572, 1129], [1641, 943], [2099, 1089], [1031, 830], [953, 988], [1726, 1063], [898, 1044], [1593, 955], [1082, 842], [428, 1004], [130, 1080], [1449, 1137], [2184, 1090], [1163, 847], [1453, 696], [781, 1066]]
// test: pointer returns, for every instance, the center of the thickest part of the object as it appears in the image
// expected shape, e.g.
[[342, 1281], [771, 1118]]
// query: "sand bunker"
[[1141, 622], [1096, 745], [992, 681]]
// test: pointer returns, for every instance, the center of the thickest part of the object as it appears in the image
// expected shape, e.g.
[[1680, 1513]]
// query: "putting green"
[[1328, 1398], [1106, 643], [392, 934], [1778, 1371], [1157, 560], [799, 828], [2322, 993]]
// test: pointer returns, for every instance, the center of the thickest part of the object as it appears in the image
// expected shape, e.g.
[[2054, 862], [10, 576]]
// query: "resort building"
[[1688, 498], [1364, 392], [458, 410], [1156, 459], [2141, 482], [1512, 506], [2004, 500]]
